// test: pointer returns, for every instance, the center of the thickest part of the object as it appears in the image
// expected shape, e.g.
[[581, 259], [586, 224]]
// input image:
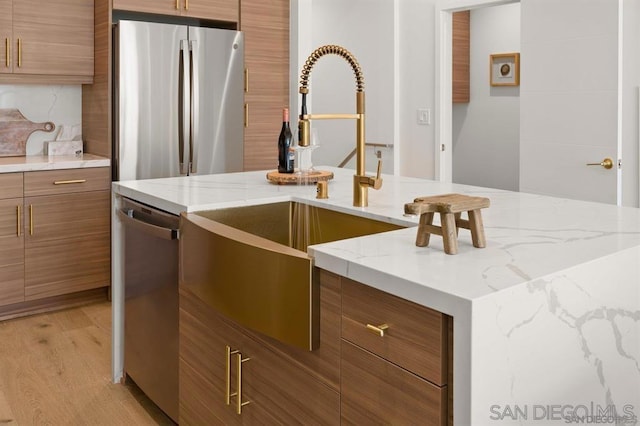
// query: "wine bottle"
[[285, 148]]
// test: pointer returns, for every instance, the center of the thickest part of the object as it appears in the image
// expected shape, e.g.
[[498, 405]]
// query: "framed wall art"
[[504, 69]]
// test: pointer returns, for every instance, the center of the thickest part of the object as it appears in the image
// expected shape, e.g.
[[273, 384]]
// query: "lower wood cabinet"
[[227, 377], [356, 376], [395, 360], [375, 391], [11, 239], [67, 246], [54, 236]]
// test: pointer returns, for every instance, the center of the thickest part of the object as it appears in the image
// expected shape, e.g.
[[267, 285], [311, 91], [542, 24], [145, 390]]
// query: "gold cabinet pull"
[[177, 4], [19, 219], [228, 393], [67, 182], [246, 114], [19, 52], [378, 329], [30, 219], [186, 4], [246, 80], [7, 49], [239, 403]]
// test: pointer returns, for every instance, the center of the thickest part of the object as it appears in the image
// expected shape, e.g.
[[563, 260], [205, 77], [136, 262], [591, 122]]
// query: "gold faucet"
[[361, 182]]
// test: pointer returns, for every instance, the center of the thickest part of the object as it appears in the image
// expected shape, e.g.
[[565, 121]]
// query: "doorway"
[[571, 106], [486, 127]]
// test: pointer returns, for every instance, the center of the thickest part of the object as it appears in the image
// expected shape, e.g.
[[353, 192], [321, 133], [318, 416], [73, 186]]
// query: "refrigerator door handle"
[[195, 111], [183, 105]]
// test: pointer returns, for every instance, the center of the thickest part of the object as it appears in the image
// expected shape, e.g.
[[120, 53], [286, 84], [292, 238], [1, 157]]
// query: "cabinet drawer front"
[[375, 391], [10, 185], [416, 337], [66, 181]]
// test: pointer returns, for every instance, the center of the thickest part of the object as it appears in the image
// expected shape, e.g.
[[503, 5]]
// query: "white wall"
[[61, 104], [364, 27], [416, 145], [486, 131]]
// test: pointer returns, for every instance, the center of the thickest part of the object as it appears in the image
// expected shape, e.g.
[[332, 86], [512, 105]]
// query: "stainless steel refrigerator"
[[178, 100]]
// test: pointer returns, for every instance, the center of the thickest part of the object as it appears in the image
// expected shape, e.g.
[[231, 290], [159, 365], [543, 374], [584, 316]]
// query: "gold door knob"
[[607, 163]]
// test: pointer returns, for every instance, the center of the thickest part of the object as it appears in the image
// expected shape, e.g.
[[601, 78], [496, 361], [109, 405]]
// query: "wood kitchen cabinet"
[[461, 46], [266, 28], [54, 239], [273, 388], [47, 41], [67, 231], [394, 359], [11, 239], [217, 10], [6, 36], [355, 376]]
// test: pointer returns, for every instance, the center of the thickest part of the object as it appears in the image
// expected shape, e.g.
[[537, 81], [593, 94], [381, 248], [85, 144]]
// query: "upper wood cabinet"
[[460, 56], [218, 10], [47, 41], [6, 36], [266, 30]]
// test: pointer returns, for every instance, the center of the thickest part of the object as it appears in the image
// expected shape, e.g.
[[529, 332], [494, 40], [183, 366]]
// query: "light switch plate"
[[424, 116]]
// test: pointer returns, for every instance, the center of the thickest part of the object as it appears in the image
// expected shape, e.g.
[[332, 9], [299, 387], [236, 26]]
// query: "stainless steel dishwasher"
[[151, 302]]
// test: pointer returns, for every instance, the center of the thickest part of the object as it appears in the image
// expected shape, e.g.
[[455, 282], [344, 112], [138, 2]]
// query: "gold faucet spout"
[[361, 182]]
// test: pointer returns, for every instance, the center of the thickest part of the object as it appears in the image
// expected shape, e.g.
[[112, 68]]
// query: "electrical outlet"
[[424, 116]]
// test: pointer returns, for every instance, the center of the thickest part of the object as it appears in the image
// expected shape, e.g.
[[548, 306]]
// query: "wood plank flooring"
[[55, 369]]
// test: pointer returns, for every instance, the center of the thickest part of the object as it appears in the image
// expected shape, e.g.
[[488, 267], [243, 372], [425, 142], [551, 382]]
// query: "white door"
[[569, 98]]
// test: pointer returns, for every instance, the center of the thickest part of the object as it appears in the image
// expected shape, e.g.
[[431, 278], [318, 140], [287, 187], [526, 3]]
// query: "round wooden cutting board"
[[298, 178]]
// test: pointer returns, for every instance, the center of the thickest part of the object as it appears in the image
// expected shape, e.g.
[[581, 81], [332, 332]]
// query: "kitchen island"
[[546, 318]]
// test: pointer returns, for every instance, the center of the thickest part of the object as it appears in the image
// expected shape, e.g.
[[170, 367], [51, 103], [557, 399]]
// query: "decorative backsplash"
[[60, 104]]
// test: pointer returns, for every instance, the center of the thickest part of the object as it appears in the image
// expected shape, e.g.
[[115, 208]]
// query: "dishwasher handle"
[[128, 218]]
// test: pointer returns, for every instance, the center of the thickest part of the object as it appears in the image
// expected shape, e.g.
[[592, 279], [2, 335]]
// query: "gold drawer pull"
[[246, 114], [378, 329], [239, 403], [66, 182], [19, 53], [19, 217], [177, 4], [30, 219], [7, 47], [228, 393], [186, 4]]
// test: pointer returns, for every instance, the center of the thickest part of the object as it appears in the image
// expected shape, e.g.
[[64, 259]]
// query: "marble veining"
[[546, 317]]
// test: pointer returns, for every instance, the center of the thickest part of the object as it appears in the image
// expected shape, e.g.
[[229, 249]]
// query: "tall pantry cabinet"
[[265, 24]]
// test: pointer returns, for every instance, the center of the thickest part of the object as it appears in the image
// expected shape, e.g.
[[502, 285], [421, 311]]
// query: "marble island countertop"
[[547, 314], [30, 163]]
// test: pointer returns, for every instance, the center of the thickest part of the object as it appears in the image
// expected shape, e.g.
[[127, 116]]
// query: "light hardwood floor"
[[55, 369]]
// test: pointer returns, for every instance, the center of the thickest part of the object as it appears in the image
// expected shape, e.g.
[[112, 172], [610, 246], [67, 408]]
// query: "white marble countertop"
[[548, 314], [528, 236], [32, 163]]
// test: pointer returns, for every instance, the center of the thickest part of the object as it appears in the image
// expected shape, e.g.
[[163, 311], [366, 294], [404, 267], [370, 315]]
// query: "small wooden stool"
[[450, 207]]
